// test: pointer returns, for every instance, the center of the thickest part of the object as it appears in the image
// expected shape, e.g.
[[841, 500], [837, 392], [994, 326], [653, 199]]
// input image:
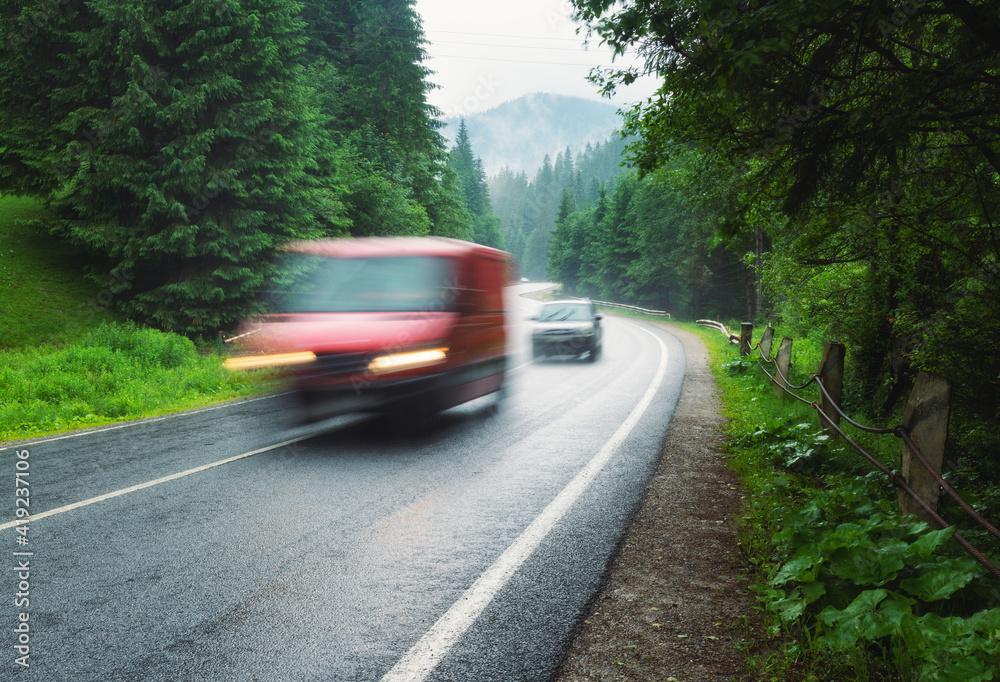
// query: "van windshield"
[[317, 284]]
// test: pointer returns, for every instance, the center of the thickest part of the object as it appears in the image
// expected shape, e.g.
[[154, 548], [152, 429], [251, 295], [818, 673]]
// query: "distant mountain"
[[519, 133]]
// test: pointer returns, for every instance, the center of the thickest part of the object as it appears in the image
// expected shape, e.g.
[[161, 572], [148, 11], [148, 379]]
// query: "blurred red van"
[[412, 325]]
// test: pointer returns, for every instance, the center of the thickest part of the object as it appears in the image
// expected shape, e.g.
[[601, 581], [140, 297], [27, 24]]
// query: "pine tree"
[[181, 145], [591, 253], [471, 178], [564, 249], [377, 106], [616, 241]]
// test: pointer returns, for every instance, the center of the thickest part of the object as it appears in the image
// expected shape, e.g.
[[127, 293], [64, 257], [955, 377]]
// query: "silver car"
[[567, 328]]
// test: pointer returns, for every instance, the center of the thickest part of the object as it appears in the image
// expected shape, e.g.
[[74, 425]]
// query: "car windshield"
[[317, 284], [568, 312]]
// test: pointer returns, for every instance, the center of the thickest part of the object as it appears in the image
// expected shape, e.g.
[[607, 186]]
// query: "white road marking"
[[164, 479], [419, 661]]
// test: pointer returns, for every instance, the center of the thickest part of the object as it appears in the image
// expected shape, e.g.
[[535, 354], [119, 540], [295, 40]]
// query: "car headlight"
[[397, 362], [274, 360]]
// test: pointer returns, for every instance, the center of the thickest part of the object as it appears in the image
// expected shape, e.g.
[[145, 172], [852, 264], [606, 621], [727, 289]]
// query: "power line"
[[501, 35], [516, 61], [348, 35], [421, 29], [515, 47], [389, 50]]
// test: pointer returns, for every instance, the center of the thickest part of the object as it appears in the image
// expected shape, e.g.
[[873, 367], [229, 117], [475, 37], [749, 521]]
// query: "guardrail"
[[609, 304], [733, 338]]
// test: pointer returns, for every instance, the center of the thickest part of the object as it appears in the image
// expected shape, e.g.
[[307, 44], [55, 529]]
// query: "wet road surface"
[[341, 551]]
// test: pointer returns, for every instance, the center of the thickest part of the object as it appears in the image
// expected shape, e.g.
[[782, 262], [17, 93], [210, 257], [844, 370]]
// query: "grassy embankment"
[[846, 588], [68, 362]]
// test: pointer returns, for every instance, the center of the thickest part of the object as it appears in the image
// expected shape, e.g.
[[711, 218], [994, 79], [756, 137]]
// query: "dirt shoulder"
[[673, 599]]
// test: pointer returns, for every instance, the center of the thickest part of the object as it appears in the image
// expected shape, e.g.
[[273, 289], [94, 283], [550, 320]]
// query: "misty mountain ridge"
[[519, 133]]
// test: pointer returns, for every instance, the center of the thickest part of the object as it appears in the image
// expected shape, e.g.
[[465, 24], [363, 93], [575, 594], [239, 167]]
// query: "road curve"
[[337, 552]]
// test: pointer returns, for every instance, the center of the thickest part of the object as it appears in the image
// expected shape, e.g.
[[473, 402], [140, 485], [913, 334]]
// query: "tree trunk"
[[754, 284], [758, 266]]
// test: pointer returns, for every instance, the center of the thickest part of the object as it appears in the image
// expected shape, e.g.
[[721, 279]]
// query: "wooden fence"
[[924, 428]]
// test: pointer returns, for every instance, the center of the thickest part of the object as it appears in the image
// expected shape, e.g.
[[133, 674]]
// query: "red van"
[[413, 325]]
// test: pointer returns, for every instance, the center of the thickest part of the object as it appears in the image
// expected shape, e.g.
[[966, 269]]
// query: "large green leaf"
[[873, 614], [913, 636], [964, 669], [789, 608], [865, 565], [801, 568], [857, 620], [936, 585], [931, 540]]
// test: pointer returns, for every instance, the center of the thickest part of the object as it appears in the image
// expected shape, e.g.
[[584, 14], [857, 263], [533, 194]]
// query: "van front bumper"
[[326, 395]]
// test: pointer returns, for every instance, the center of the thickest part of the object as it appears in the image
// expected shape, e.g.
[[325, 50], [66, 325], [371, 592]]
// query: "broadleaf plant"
[[854, 573]]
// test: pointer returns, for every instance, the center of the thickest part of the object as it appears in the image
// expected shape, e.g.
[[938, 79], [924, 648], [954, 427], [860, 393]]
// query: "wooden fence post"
[[746, 337], [926, 420], [784, 362], [765, 343], [831, 374]]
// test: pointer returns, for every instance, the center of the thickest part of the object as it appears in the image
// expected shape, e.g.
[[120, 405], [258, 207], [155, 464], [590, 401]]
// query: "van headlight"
[[274, 360], [397, 362]]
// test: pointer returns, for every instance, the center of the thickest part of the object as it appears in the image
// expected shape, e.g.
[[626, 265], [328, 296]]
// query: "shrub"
[[864, 575], [114, 372]]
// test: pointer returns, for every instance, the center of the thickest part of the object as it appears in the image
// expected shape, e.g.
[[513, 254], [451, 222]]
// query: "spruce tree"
[[375, 106], [471, 179], [181, 145], [470, 173]]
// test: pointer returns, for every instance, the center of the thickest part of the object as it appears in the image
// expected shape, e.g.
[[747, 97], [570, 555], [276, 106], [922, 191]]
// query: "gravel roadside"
[[674, 599]]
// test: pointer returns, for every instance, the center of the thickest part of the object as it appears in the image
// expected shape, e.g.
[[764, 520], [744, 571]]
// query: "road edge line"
[[150, 484], [424, 656]]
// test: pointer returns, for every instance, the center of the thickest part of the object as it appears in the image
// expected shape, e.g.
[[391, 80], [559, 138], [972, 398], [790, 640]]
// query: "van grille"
[[341, 363]]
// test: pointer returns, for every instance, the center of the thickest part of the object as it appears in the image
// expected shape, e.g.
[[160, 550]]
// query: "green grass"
[[68, 362], [46, 297], [781, 459], [114, 373], [787, 467], [753, 412]]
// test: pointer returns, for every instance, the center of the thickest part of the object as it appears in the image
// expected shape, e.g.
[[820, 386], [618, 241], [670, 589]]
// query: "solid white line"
[[419, 661], [136, 422], [149, 484]]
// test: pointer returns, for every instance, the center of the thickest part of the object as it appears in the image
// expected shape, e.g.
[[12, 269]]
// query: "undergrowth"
[[848, 589], [112, 373]]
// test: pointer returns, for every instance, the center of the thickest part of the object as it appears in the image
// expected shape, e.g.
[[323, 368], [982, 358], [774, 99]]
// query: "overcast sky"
[[485, 52]]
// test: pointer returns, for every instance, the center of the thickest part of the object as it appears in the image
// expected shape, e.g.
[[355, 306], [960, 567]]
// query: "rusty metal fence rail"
[[622, 306], [830, 413], [608, 304], [718, 326]]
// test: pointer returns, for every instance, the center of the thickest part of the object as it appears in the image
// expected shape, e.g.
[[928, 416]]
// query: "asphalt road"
[[352, 553]]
